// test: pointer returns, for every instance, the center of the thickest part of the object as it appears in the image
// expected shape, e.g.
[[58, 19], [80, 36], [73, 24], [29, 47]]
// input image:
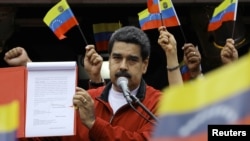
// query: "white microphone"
[[122, 82]]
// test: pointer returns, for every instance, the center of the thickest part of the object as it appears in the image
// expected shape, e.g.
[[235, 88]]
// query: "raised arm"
[[168, 43], [17, 57], [93, 64]]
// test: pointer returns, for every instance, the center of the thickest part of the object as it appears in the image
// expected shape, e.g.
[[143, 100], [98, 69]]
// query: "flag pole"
[[235, 14], [182, 32], [159, 7], [233, 30], [84, 38]]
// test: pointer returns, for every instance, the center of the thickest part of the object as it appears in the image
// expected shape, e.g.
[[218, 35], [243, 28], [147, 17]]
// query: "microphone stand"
[[136, 100]]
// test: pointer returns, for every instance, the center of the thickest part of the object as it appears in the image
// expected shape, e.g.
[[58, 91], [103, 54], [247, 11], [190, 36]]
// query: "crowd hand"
[[17, 57], [192, 58], [167, 41], [93, 63], [229, 52], [85, 105]]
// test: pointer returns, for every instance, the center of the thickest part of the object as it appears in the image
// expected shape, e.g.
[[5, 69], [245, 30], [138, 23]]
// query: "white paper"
[[50, 90]]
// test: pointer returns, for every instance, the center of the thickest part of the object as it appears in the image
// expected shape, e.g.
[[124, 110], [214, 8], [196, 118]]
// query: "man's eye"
[[134, 59]]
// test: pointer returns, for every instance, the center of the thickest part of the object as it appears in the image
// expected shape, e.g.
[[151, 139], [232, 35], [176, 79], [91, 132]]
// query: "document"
[[50, 90]]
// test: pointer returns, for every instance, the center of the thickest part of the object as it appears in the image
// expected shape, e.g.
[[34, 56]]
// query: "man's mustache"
[[122, 73]]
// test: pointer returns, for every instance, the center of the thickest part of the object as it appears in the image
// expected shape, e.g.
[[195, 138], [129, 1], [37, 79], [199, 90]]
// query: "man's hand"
[[192, 58], [85, 105], [93, 63], [17, 57], [166, 40], [228, 52]]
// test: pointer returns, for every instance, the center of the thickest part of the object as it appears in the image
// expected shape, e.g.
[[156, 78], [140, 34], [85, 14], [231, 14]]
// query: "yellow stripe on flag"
[[217, 85], [143, 14], [106, 27], [223, 6], [165, 4], [55, 11], [9, 116]]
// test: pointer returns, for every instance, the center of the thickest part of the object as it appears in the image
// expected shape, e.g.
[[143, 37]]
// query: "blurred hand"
[[192, 58]]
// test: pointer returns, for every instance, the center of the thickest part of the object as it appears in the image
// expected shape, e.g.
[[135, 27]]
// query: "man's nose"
[[123, 65]]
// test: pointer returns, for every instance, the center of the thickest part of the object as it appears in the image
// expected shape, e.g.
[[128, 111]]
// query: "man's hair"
[[131, 34]]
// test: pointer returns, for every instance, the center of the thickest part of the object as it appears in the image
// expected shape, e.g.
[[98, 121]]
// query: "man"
[[103, 113]]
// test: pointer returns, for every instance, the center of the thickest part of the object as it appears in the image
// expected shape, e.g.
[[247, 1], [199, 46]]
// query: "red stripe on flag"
[[172, 21], [151, 24], [169, 22], [226, 17], [153, 7], [102, 46], [60, 31]]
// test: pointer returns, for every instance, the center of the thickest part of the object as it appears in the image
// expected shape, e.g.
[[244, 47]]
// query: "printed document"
[[50, 90]]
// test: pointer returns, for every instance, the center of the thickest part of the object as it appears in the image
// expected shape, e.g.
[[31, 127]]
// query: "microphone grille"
[[121, 80]]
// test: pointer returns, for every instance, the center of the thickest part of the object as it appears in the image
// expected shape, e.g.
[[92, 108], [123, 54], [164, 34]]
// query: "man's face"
[[125, 60]]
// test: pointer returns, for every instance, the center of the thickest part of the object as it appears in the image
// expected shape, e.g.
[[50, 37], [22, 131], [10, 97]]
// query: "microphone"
[[122, 82]]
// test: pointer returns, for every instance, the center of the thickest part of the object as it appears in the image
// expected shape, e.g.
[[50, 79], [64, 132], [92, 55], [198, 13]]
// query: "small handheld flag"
[[167, 16], [60, 19], [226, 11], [102, 34]]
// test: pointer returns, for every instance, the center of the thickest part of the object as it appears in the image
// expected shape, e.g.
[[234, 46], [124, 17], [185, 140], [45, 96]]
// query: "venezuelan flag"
[[167, 17], [9, 121], [60, 19], [226, 11], [102, 33], [221, 97]]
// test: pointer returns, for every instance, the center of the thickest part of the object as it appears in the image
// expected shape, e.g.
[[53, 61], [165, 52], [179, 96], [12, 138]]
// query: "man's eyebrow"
[[116, 54], [133, 56]]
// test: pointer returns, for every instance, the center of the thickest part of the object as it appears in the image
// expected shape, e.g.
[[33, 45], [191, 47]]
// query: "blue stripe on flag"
[[102, 36], [218, 17], [8, 136], [167, 13], [60, 19]]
